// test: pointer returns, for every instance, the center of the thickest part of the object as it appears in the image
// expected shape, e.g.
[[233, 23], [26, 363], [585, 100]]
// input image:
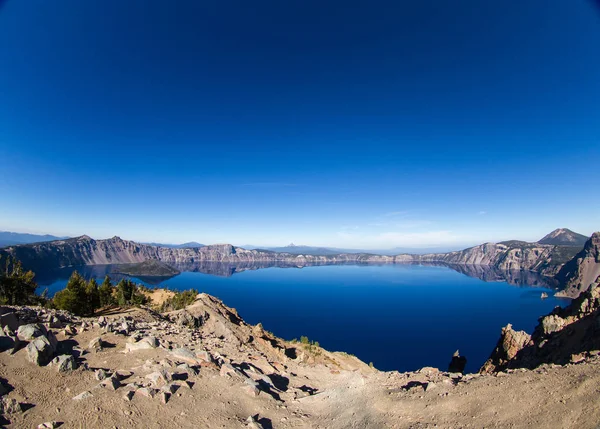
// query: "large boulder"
[[40, 351], [185, 318], [31, 331], [64, 363], [9, 319]]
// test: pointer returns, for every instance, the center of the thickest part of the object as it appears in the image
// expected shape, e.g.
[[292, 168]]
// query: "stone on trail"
[[170, 388], [64, 363], [10, 406], [31, 332], [140, 345], [101, 374], [40, 351], [150, 340], [251, 388], [191, 371], [252, 423], [48, 425], [160, 376], [164, 397], [430, 386], [96, 344], [83, 395], [111, 382], [148, 392], [185, 355]]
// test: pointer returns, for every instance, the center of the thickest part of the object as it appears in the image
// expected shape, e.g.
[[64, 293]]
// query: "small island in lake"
[[149, 268]]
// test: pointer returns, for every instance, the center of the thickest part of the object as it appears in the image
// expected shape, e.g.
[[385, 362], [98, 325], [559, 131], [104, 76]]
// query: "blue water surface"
[[400, 317]]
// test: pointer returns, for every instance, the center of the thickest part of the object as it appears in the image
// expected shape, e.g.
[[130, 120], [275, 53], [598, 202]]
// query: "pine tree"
[[106, 293], [17, 286]]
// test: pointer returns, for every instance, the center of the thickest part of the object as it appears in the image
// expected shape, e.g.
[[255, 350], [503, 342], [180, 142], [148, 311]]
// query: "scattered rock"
[[161, 376], [10, 406], [252, 423], [69, 330], [148, 392], [83, 395], [189, 370], [170, 388], [97, 344], [64, 363], [31, 332], [101, 374], [128, 396], [164, 397], [40, 351], [112, 382], [185, 355], [430, 386], [228, 369], [140, 345], [122, 374], [152, 341], [251, 387], [49, 425]]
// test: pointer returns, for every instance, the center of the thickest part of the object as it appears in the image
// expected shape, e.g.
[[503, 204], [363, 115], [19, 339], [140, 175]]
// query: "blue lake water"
[[401, 317]]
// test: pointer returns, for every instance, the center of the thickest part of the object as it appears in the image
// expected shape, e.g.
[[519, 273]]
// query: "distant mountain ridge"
[[188, 245], [12, 238], [546, 260], [564, 237]]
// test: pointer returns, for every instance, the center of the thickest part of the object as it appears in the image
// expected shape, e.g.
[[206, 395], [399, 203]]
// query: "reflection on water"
[[228, 269]]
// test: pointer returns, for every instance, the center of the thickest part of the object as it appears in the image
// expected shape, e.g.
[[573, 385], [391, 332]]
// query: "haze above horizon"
[[349, 124]]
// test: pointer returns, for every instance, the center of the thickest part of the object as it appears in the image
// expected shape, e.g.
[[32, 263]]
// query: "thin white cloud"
[[404, 239], [398, 213], [482, 212], [269, 184]]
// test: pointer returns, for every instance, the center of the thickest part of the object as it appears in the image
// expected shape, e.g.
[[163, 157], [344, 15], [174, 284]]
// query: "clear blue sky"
[[351, 124]]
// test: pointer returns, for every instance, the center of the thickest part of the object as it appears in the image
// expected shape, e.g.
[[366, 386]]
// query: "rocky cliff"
[[87, 251], [507, 256], [512, 256], [566, 335], [577, 274]]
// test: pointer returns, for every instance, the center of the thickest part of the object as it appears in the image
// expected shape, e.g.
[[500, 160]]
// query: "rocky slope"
[[205, 367], [577, 274]]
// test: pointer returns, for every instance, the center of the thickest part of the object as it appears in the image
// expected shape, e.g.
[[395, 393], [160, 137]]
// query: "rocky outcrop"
[[510, 343], [565, 335], [577, 274]]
